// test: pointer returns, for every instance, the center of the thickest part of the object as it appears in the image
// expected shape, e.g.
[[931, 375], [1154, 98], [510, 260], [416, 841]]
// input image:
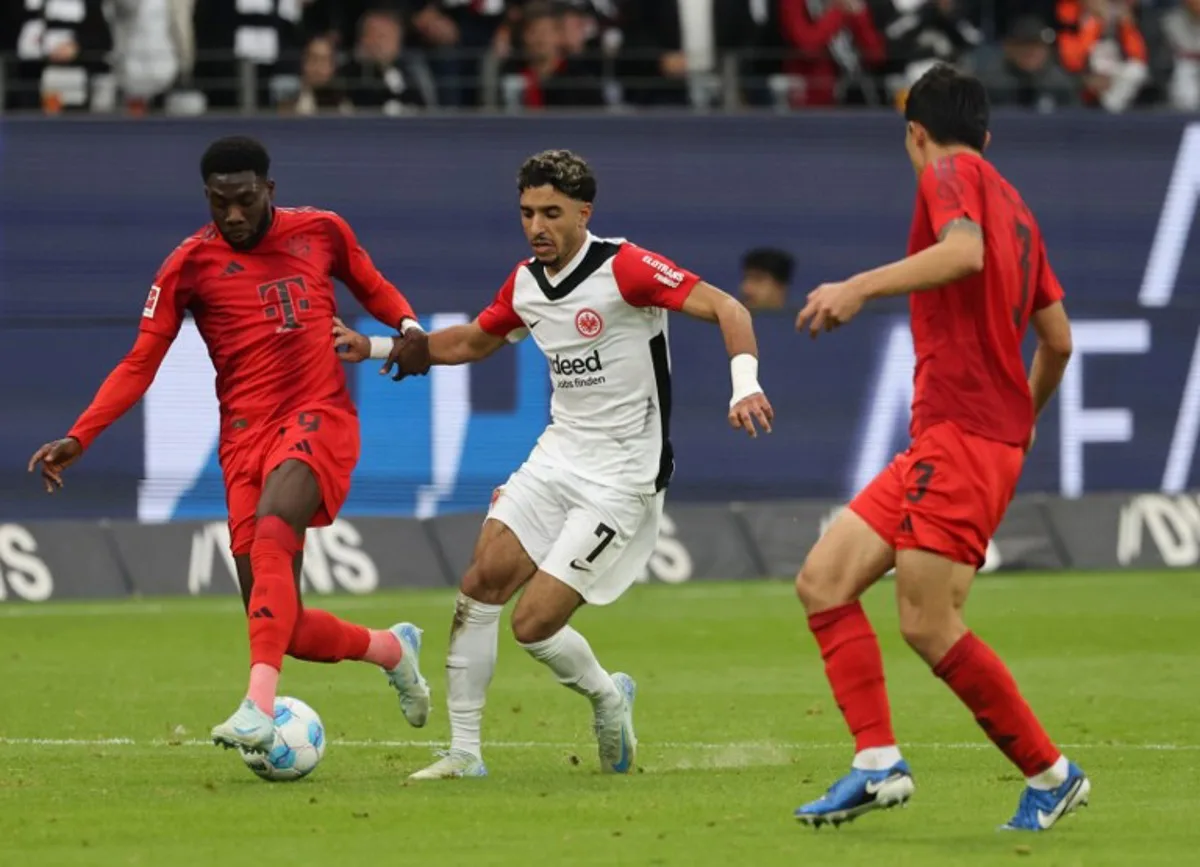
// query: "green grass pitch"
[[735, 722]]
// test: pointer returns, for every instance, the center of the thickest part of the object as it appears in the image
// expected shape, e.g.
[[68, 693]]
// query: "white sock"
[[876, 758], [570, 657], [470, 661], [1051, 778]]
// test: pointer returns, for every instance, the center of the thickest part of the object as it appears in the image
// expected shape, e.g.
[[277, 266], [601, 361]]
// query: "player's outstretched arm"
[[463, 344], [958, 254], [748, 404], [459, 344], [122, 389]]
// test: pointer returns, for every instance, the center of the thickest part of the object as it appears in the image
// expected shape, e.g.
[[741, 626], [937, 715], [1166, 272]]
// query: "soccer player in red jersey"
[[257, 281], [977, 276]]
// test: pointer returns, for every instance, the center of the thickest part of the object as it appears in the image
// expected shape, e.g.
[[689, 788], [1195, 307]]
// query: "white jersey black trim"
[[660, 358], [598, 253], [609, 367]]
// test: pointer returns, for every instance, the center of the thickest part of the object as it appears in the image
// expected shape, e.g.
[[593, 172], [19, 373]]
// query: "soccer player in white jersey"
[[579, 520]]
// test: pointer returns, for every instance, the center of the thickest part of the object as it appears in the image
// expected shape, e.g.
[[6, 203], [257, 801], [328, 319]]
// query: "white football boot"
[[249, 729], [452, 765], [614, 729], [406, 676]]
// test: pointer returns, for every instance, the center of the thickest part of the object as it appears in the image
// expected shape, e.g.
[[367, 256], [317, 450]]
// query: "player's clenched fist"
[[830, 305], [746, 412], [54, 458], [410, 354]]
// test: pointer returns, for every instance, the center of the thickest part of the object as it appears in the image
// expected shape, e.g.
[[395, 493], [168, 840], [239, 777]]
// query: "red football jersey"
[[967, 335], [266, 314]]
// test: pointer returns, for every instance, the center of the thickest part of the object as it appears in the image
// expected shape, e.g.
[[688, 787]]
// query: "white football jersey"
[[601, 322]]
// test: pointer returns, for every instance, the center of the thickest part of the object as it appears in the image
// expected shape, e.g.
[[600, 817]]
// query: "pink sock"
[[384, 649], [264, 681]]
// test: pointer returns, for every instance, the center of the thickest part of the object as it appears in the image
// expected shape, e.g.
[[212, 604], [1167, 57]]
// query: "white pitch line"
[[528, 745], [223, 605], [229, 603], [23, 610]]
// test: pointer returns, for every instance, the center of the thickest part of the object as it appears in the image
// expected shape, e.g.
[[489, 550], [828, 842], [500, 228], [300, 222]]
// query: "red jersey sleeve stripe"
[[500, 318], [646, 279]]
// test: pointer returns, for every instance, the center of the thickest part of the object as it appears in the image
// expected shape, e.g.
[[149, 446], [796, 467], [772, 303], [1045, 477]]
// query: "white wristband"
[[381, 347], [743, 370]]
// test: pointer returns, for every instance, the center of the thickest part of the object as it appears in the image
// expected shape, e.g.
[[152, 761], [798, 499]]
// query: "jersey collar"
[[590, 257]]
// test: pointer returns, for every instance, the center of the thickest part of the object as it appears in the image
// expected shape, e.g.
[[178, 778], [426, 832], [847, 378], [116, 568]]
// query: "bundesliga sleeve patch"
[[151, 302]]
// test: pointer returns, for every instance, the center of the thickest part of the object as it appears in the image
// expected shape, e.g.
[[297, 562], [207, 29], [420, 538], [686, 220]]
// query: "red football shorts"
[[947, 494], [324, 437]]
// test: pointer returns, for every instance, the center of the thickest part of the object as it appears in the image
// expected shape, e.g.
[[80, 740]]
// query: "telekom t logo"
[[282, 299]]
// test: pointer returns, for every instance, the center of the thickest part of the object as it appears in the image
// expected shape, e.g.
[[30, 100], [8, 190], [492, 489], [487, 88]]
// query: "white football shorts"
[[595, 539]]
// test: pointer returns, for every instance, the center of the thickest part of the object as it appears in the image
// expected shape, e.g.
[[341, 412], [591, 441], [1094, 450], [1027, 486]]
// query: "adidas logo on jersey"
[[576, 366]]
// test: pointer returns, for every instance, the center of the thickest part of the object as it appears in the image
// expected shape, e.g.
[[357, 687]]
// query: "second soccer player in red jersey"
[[977, 276], [257, 280]]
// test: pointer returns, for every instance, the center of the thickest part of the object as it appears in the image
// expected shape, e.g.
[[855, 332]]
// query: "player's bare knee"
[[915, 627], [930, 630], [820, 589], [482, 583], [530, 625], [847, 559]]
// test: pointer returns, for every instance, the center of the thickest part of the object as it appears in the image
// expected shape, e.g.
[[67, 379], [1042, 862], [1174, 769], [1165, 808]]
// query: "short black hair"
[[565, 171], [952, 106], [233, 154], [776, 263]]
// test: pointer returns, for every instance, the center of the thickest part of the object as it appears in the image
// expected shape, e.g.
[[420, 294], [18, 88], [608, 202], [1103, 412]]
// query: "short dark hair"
[[952, 106], [777, 263], [233, 154], [564, 171]]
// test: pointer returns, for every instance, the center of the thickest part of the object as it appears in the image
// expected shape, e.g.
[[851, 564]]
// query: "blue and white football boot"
[[859, 792], [614, 729], [1040, 809], [406, 677], [249, 729]]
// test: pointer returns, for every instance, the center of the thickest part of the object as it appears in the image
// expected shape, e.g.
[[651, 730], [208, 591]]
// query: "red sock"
[[985, 685], [854, 667], [274, 605], [321, 637]]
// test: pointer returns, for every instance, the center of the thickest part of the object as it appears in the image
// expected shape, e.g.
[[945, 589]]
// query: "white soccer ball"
[[299, 743]]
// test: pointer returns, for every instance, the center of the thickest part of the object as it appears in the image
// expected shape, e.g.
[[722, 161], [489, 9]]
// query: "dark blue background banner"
[[88, 209]]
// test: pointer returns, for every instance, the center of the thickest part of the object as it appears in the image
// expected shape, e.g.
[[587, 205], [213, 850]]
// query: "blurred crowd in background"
[[342, 56]]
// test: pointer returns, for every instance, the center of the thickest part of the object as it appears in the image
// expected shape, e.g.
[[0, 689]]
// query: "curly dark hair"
[[236, 153], [563, 170]]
